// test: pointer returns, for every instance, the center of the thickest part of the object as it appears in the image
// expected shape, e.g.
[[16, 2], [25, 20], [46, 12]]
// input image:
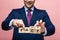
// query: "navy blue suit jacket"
[[37, 15]]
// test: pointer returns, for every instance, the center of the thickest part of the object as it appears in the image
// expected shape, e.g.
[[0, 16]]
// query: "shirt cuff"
[[45, 32], [10, 24]]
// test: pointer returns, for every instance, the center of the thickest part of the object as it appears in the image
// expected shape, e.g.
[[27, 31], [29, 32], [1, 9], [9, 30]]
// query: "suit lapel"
[[23, 14], [35, 14]]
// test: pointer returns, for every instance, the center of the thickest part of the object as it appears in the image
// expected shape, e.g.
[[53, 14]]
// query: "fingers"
[[14, 24], [42, 23], [42, 26], [39, 23], [18, 23]]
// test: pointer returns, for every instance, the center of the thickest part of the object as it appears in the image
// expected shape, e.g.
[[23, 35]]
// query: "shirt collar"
[[27, 8]]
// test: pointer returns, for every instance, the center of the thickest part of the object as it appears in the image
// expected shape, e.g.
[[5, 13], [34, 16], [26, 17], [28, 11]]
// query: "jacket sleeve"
[[5, 23], [48, 24]]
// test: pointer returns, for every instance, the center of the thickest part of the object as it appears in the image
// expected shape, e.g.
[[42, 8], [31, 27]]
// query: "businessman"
[[27, 16]]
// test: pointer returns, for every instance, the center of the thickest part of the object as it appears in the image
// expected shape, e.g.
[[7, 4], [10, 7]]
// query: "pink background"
[[52, 7]]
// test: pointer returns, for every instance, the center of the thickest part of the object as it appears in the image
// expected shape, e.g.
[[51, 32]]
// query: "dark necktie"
[[29, 16]]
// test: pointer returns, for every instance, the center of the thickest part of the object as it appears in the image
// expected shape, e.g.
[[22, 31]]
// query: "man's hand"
[[18, 23], [40, 24]]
